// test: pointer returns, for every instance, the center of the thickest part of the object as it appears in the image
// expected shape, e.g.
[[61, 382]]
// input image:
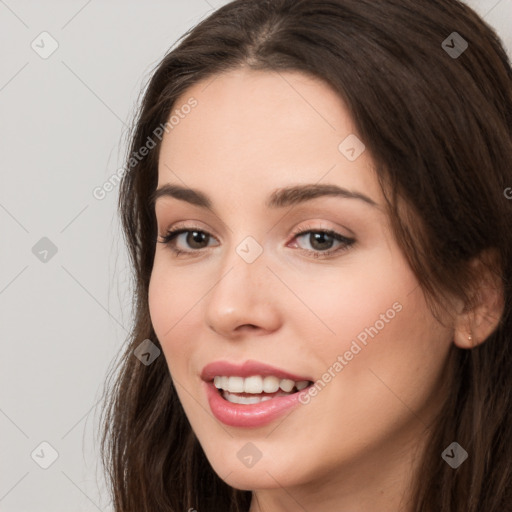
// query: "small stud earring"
[[470, 337]]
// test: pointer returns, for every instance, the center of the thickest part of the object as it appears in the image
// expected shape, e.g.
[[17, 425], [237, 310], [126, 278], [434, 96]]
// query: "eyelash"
[[346, 242]]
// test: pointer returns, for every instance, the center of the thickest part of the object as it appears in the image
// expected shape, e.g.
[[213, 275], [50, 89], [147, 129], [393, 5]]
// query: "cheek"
[[346, 302], [171, 312], [161, 302], [374, 315], [392, 356], [172, 294]]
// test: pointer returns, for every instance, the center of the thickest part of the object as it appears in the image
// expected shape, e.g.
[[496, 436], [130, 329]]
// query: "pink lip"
[[252, 415], [225, 368]]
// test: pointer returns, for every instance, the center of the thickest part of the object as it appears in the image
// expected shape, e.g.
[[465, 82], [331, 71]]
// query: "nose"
[[243, 299]]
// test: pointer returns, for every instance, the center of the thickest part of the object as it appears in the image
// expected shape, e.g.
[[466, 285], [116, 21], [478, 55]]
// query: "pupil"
[[193, 235], [320, 236]]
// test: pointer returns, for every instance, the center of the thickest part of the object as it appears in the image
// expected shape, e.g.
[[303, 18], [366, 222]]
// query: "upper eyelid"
[[299, 232], [182, 225]]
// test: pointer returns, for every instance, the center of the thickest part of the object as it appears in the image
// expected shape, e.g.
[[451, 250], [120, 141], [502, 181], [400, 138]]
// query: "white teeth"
[[253, 384], [270, 384], [257, 384], [287, 384], [236, 384]]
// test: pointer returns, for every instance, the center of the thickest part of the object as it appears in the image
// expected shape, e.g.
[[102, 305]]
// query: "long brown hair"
[[439, 128]]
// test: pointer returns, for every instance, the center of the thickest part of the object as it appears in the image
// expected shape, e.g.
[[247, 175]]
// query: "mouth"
[[251, 394]]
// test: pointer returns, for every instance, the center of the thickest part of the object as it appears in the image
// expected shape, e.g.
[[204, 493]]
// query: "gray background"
[[63, 125]]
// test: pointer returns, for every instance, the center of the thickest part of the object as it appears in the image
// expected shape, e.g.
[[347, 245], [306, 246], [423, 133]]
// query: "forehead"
[[251, 129]]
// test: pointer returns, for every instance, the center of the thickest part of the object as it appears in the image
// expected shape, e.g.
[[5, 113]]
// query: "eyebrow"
[[280, 198]]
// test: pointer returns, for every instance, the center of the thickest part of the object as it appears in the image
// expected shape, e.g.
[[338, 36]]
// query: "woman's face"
[[247, 288]]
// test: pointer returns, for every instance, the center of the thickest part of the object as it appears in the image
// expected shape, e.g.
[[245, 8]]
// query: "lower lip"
[[249, 415]]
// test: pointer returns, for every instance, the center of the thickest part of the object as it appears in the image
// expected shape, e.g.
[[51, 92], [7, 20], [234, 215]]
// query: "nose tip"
[[243, 300]]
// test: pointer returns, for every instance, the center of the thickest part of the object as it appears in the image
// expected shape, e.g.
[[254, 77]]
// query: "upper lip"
[[246, 369]]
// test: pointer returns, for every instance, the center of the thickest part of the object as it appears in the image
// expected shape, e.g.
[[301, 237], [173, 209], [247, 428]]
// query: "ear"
[[475, 322]]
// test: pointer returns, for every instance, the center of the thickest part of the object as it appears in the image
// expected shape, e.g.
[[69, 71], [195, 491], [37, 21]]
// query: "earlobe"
[[464, 340], [475, 324]]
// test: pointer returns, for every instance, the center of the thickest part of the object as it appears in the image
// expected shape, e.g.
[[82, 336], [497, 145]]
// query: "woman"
[[316, 211]]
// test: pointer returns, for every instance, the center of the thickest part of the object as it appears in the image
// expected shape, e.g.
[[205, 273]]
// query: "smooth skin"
[[356, 444]]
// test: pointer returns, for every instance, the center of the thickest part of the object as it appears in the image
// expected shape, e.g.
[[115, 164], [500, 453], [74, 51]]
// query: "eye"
[[195, 238], [322, 240]]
